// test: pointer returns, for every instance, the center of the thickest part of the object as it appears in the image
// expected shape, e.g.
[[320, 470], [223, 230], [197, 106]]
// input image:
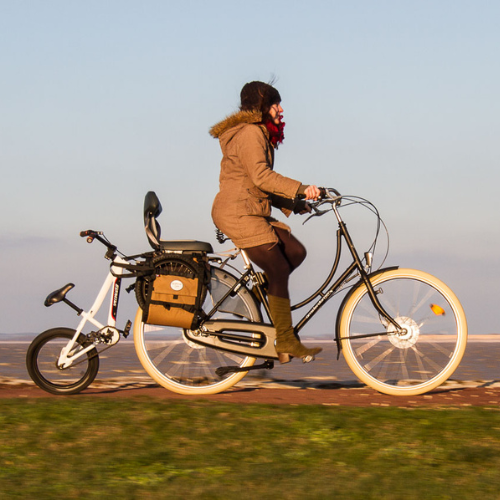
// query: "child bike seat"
[[152, 209]]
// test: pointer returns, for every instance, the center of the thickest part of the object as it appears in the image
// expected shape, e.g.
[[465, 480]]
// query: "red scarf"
[[276, 135]]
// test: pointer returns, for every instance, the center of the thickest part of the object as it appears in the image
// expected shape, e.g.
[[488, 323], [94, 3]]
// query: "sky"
[[393, 101]]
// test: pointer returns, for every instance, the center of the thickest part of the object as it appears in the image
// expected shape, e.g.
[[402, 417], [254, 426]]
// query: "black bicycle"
[[402, 331]]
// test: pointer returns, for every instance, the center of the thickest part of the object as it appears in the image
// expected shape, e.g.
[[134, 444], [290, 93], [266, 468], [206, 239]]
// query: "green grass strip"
[[143, 448]]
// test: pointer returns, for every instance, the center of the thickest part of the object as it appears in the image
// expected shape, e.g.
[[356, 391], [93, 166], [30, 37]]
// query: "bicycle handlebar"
[[334, 191], [325, 194], [328, 195], [92, 235]]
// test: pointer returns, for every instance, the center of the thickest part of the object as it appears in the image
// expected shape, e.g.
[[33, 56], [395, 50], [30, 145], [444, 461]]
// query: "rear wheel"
[[42, 358], [181, 365], [425, 354]]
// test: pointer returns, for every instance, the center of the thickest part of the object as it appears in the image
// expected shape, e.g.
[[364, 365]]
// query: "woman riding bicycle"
[[248, 187]]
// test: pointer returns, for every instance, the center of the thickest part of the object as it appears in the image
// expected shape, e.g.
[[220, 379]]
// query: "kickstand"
[[224, 370]]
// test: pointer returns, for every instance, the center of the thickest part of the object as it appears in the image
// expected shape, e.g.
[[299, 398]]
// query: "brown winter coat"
[[248, 185]]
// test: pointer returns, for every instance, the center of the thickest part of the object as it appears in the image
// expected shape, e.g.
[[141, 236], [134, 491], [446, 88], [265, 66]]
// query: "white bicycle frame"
[[70, 352]]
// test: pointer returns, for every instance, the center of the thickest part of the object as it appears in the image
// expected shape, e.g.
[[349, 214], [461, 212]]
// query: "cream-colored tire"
[[422, 358], [184, 367]]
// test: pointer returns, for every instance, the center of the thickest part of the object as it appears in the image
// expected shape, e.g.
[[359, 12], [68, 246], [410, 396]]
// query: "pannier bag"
[[173, 294]]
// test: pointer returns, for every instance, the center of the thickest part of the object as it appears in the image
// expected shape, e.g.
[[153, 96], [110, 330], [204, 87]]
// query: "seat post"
[[246, 260]]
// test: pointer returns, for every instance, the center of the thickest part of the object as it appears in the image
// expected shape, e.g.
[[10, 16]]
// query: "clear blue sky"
[[396, 101]]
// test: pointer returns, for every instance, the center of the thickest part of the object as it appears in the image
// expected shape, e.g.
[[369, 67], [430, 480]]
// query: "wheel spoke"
[[229, 355], [447, 352], [403, 364], [421, 356], [164, 353], [418, 357], [209, 374], [179, 365], [424, 300], [378, 359], [367, 346]]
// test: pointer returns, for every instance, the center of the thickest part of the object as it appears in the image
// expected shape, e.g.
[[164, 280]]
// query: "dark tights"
[[278, 261]]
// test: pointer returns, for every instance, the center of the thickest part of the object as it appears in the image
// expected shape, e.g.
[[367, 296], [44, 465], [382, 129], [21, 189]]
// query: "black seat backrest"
[[152, 209]]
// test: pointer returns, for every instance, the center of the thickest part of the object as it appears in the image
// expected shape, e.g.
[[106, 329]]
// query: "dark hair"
[[259, 96]]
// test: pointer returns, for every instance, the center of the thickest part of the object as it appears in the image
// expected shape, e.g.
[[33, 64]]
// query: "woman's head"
[[259, 96]]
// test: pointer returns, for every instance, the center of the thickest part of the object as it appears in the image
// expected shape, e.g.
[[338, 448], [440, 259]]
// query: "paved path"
[[119, 366]]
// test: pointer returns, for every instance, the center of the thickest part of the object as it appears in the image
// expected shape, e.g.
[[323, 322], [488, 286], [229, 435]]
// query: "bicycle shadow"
[[117, 387], [242, 387]]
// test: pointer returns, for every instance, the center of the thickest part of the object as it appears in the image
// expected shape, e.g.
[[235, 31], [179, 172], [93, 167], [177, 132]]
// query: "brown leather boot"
[[287, 344]]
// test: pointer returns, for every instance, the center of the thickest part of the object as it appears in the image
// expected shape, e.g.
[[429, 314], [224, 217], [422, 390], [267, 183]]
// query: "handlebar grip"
[[90, 232], [323, 193]]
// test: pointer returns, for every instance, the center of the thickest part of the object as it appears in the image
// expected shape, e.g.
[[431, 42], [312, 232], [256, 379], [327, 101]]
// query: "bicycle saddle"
[[58, 295], [152, 209]]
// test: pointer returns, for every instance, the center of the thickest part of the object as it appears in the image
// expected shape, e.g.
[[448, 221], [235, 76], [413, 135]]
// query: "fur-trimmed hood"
[[238, 118], [248, 185]]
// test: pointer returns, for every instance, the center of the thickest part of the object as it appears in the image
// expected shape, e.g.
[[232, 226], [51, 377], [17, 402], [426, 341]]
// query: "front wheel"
[[424, 354], [185, 367], [42, 358]]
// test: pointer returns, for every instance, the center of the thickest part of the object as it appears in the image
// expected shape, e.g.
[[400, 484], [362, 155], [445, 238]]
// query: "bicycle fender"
[[229, 280], [347, 297]]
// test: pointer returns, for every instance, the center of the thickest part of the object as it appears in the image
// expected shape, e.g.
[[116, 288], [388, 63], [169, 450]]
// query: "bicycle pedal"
[[126, 330], [308, 359]]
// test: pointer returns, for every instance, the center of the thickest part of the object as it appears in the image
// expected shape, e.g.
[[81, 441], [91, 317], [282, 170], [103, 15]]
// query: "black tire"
[[41, 362]]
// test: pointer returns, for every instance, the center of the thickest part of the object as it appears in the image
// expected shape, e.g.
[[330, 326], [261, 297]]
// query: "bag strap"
[[189, 308]]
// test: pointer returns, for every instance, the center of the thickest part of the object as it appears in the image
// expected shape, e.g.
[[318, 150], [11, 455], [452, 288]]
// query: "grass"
[[145, 448]]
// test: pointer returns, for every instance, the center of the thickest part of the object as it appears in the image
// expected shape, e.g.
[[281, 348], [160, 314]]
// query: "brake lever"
[[333, 200], [317, 213]]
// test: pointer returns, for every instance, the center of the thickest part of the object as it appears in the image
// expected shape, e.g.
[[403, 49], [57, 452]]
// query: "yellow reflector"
[[437, 310]]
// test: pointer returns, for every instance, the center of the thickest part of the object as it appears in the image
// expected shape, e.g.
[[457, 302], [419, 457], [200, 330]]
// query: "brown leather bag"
[[174, 293]]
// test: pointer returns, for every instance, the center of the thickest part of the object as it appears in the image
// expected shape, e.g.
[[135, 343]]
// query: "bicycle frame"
[[356, 265], [256, 339], [213, 332], [113, 281]]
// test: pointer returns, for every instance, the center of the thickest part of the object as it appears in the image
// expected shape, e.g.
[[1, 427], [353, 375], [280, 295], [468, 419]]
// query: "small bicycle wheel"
[[425, 354], [42, 357], [184, 367]]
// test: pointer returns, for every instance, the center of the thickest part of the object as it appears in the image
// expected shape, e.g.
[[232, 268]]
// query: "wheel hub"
[[190, 343], [407, 337]]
